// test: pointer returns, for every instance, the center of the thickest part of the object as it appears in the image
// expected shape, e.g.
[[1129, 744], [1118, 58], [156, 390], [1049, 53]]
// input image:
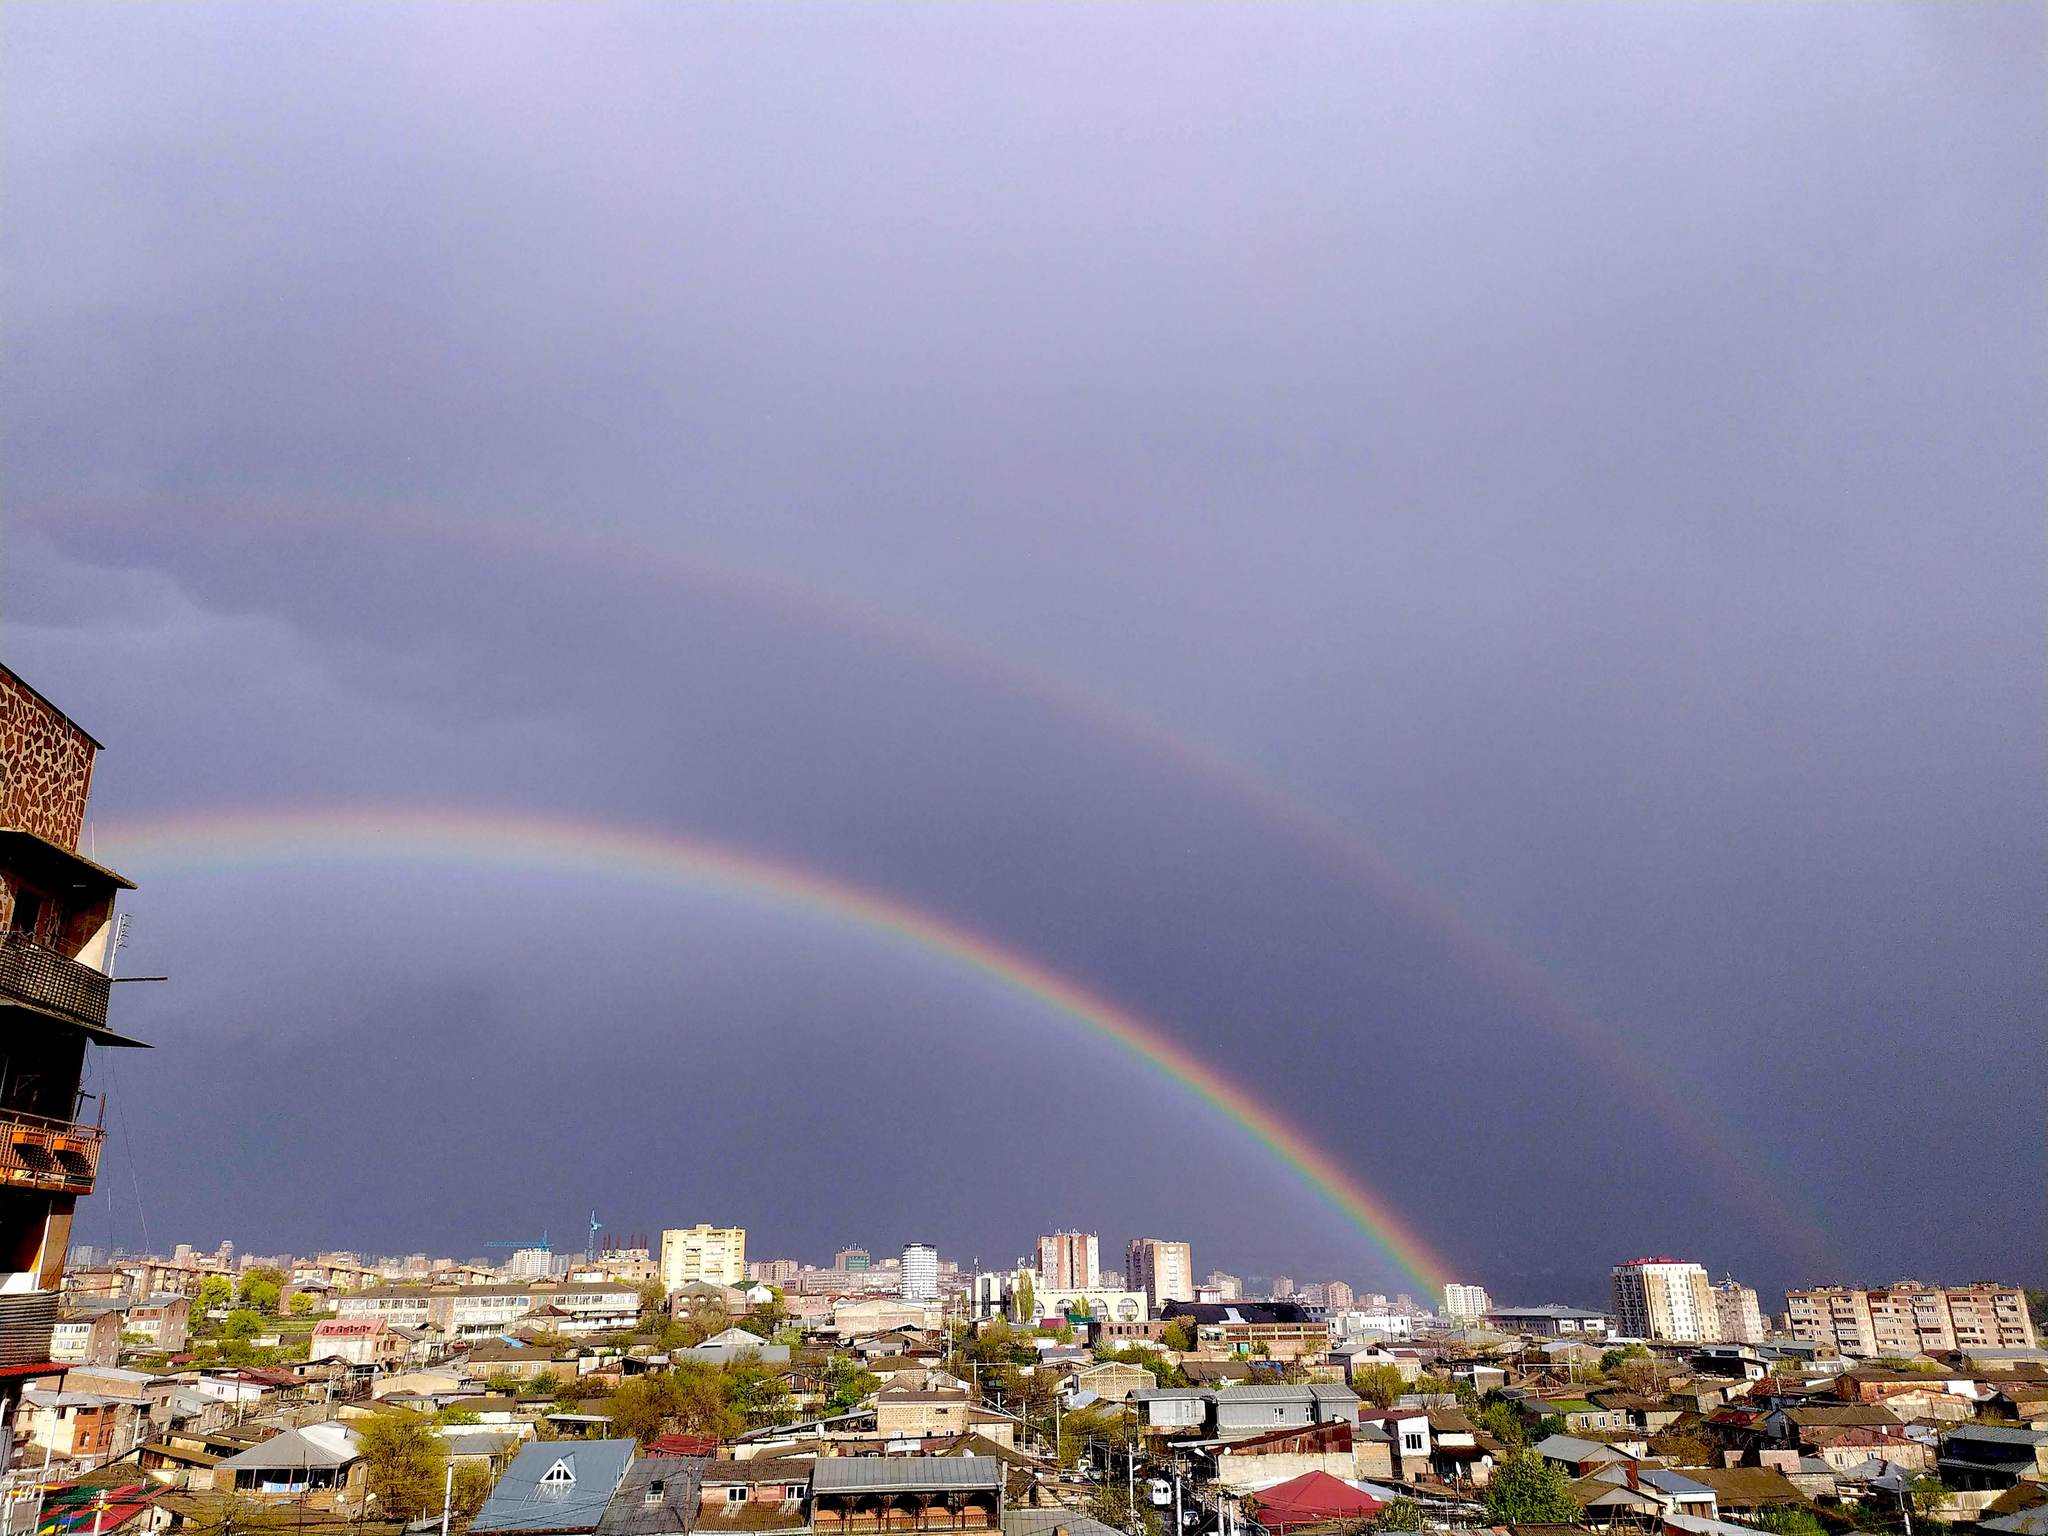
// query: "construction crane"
[[596, 1226], [542, 1245]]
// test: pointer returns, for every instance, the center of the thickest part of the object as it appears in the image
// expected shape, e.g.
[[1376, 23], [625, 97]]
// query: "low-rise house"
[[1631, 1494], [1975, 1457], [903, 1414], [1251, 1410], [1455, 1455], [1110, 1381], [1742, 1491], [877, 1493], [367, 1342], [162, 1323], [1407, 1431], [557, 1486], [79, 1426], [1173, 1410], [318, 1459], [1340, 1449], [734, 1344], [1646, 1415], [1581, 1458], [657, 1497], [88, 1333]]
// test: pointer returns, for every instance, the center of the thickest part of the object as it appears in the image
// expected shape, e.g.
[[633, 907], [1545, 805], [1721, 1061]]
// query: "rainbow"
[[246, 839], [1717, 1150]]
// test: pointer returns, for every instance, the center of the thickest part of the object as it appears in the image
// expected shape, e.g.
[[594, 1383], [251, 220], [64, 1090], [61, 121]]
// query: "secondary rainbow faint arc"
[[1331, 836], [232, 840]]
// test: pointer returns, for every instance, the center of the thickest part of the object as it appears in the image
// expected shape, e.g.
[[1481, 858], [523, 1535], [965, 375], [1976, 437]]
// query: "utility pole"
[[448, 1488]]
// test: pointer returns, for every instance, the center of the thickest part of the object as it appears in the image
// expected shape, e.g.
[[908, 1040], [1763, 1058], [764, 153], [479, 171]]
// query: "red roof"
[[1311, 1498], [683, 1445]]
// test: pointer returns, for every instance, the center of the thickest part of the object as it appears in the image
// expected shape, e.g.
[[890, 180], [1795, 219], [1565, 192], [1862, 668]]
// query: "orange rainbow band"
[[234, 840]]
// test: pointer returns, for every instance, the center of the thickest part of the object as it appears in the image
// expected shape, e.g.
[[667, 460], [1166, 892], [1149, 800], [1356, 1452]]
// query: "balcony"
[[57, 1156], [34, 977]]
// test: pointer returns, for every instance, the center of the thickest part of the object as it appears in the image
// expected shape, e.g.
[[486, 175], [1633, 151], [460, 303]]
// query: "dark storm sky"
[[1593, 452]]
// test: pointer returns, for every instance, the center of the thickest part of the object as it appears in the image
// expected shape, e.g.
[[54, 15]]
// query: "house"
[[1251, 1410], [366, 1342], [907, 1414], [1646, 1415], [1975, 1457], [1173, 1410], [88, 1333], [161, 1321], [1742, 1491], [1581, 1458], [768, 1493], [1455, 1455], [80, 1426], [319, 1458], [558, 1486], [1279, 1454], [1630, 1494], [659, 1496], [734, 1344], [876, 1493], [1312, 1499], [1407, 1430], [1111, 1381]]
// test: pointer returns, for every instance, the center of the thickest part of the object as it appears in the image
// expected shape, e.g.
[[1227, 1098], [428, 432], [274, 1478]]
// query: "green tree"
[[1379, 1385], [258, 1293], [1527, 1490], [642, 1406], [1504, 1424], [1788, 1520], [1027, 1301], [847, 1384], [1398, 1515], [214, 1291], [242, 1324], [653, 1301], [1428, 1385], [302, 1303], [406, 1461], [757, 1394], [1177, 1335], [453, 1415]]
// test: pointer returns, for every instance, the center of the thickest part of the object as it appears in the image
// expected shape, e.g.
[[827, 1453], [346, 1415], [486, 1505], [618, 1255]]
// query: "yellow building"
[[714, 1254]]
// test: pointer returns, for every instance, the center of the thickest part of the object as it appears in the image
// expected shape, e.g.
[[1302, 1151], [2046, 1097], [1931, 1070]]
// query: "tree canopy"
[[1528, 1490]]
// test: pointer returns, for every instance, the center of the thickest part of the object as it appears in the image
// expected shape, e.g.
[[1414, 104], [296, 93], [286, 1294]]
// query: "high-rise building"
[[1070, 1261], [530, 1264], [1738, 1318], [920, 1272], [57, 943], [1220, 1287], [1282, 1288], [1164, 1271], [1909, 1318], [714, 1254], [1466, 1303], [1664, 1298], [1339, 1297], [773, 1271], [853, 1260]]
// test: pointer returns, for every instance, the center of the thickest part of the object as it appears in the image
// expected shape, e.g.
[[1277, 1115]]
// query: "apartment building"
[[1070, 1261], [1910, 1318], [484, 1311], [1738, 1316], [56, 944], [1466, 1303], [1664, 1298], [715, 1255], [1164, 1271]]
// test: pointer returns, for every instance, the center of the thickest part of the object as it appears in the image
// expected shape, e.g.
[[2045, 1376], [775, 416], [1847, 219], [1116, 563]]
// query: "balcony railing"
[[45, 980], [37, 1152]]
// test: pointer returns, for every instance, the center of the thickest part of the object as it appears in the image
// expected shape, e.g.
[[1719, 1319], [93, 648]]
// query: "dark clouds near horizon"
[[1594, 451]]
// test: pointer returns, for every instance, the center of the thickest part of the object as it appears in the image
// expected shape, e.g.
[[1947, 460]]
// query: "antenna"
[[118, 941]]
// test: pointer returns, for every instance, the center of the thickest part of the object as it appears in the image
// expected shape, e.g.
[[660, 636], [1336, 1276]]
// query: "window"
[[655, 1491], [735, 1495], [558, 1476], [793, 1491]]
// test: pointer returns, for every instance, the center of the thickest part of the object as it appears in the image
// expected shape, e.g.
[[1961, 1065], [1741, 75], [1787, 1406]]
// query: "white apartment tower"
[[1164, 1271], [1466, 1303], [1665, 1298], [920, 1272], [717, 1255]]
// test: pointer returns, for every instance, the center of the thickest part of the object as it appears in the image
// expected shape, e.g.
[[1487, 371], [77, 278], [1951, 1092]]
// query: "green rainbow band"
[[655, 857]]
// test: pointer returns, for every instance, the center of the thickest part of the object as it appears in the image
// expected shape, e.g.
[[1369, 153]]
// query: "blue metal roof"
[[556, 1485]]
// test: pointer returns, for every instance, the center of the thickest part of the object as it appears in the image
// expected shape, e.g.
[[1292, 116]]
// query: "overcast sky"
[[1590, 458]]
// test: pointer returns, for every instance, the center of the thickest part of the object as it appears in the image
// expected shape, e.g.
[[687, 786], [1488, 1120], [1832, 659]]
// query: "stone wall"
[[45, 766]]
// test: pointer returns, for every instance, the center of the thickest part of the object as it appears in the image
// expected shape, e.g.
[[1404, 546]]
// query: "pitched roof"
[[317, 1445], [890, 1474], [1312, 1498], [556, 1485]]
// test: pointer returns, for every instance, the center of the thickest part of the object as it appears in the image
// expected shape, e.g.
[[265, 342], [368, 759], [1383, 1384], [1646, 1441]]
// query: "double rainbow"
[[237, 839]]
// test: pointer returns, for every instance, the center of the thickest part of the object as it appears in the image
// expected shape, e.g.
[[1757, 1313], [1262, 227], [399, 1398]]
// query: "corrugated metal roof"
[[909, 1474]]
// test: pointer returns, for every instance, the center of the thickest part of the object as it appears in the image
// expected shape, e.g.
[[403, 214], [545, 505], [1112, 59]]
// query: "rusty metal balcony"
[[58, 1156]]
